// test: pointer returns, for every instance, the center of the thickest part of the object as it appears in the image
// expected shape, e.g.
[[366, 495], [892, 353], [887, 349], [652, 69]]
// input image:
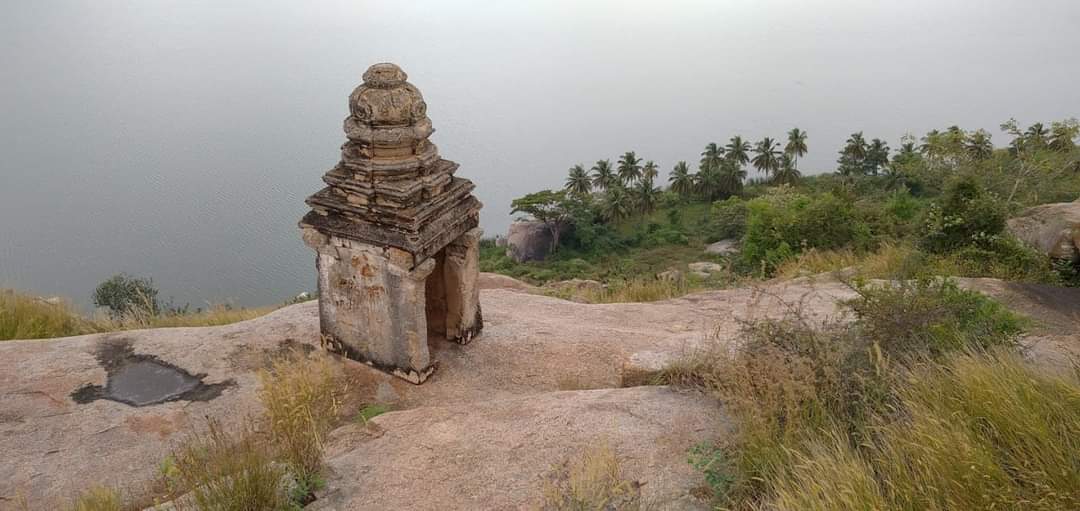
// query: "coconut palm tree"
[[645, 196], [796, 145], [786, 173], [629, 167], [978, 145], [578, 182], [1036, 136], [738, 150], [877, 156], [711, 156], [681, 180], [732, 176], [616, 204], [603, 177], [650, 170], [766, 156]]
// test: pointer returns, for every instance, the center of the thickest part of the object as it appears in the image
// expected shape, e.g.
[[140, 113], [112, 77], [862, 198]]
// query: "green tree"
[[629, 167], [123, 294], [650, 170], [578, 182], [738, 150], [877, 156], [603, 177], [978, 145], [681, 180], [766, 156], [732, 176], [1063, 135], [711, 156], [796, 146], [645, 196], [852, 159], [1036, 136], [786, 173], [616, 204], [967, 215], [552, 208]]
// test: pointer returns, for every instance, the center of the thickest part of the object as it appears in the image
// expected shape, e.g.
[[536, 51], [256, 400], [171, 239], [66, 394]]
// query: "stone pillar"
[[372, 305], [461, 270]]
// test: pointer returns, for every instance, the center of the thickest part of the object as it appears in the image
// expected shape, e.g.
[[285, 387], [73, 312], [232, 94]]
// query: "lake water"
[[178, 140]]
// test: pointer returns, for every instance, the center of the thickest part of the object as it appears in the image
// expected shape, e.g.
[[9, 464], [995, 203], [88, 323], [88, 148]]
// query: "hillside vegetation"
[[937, 204]]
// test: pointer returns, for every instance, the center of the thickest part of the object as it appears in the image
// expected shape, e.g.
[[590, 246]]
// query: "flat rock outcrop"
[[488, 424], [496, 454]]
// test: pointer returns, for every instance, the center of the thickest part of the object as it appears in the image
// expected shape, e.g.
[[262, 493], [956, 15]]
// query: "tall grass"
[[228, 472], [28, 317], [981, 431], [301, 397], [98, 499], [802, 392]]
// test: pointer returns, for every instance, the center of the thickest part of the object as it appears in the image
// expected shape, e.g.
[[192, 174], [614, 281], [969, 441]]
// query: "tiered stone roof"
[[391, 187]]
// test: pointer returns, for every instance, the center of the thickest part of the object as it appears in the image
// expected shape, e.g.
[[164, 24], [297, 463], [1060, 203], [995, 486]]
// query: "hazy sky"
[[178, 139]]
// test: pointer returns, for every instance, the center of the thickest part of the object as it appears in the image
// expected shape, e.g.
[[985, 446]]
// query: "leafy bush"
[[123, 294], [728, 219], [966, 216], [780, 225]]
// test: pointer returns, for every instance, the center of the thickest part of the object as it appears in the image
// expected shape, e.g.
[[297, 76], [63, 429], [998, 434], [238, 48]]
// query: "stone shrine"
[[396, 235]]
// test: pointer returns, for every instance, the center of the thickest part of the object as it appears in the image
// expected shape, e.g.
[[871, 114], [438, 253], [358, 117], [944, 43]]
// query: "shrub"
[[301, 397], [967, 215], [781, 225], [126, 295], [925, 317], [728, 219]]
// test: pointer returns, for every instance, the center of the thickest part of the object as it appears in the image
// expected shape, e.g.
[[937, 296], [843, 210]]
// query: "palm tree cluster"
[[628, 186], [624, 188], [859, 157]]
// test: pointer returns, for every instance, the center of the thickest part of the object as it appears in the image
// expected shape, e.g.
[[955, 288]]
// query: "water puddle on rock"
[[143, 380]]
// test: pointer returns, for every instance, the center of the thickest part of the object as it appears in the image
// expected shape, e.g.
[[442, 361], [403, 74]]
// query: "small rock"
[[722, 247], [670, 276], [706, 268]]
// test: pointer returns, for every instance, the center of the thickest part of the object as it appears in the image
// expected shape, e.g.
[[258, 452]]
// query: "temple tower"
[[396, 235]]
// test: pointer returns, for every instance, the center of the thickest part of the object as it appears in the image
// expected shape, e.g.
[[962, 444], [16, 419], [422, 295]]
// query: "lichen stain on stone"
[[144, 380]]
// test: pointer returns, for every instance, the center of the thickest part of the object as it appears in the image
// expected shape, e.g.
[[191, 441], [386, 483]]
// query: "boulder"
[[1053, 229], [528, 241], [705, 269], [722, 247], [497, 281]]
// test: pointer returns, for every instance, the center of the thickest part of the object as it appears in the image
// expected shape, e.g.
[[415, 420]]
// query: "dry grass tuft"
[[226, 472], [301, 397], [98, 499], [592, 482]]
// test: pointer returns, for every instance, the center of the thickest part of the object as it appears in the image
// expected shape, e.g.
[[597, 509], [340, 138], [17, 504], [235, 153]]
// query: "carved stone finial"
[[388, 117]]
